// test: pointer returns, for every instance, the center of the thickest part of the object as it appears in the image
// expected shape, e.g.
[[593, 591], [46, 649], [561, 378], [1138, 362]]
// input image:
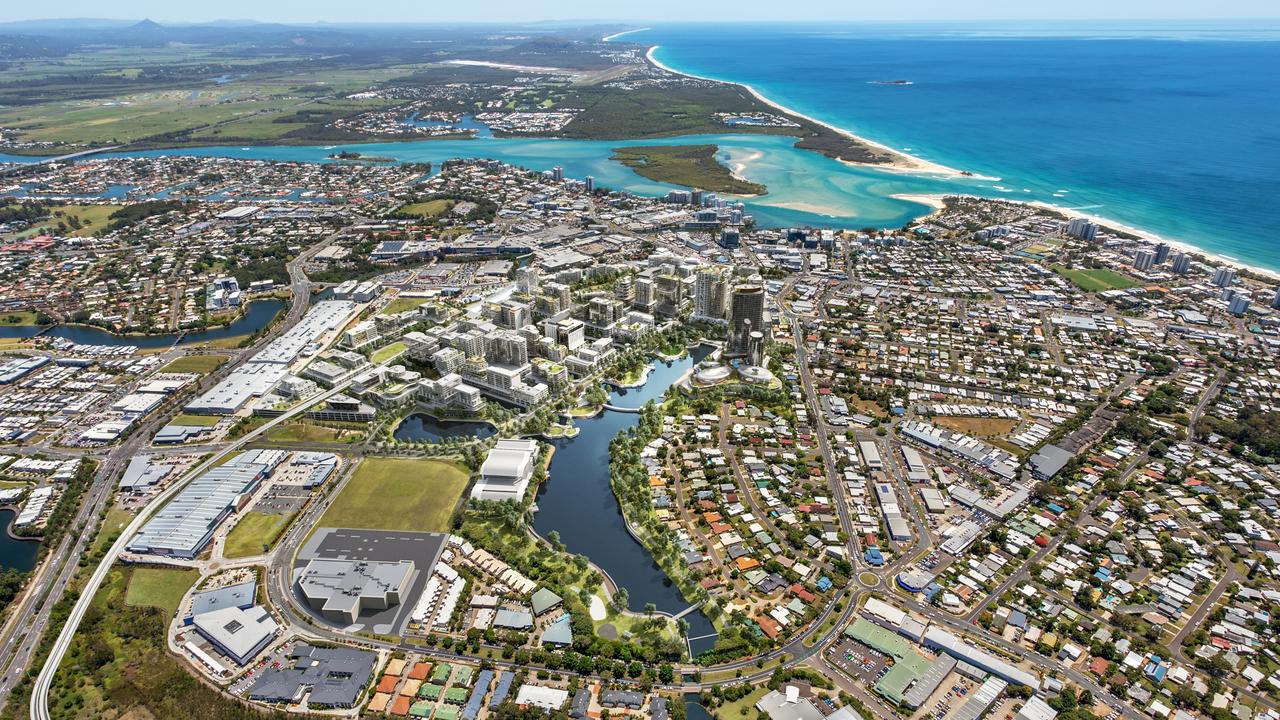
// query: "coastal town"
[[505, 373], [1001, 462]]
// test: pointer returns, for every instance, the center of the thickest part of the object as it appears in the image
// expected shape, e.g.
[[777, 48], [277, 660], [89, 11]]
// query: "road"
[[103, 489], [1210, 393]]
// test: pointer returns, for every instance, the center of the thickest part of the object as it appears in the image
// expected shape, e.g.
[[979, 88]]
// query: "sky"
[[426, 11]]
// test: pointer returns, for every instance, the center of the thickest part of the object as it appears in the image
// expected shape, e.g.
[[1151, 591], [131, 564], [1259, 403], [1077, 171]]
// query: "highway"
[[99, 496]]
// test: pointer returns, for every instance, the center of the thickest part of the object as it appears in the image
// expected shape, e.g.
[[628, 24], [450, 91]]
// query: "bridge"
[[616, 408], [60, 158]]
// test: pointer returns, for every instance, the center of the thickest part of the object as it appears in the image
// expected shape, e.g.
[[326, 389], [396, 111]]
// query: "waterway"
[[16, 554], [577, 501], [257, 316], [693, 709], [424, 427], [805, 188]]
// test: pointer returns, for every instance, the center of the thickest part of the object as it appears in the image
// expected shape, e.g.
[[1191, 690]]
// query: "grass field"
[[744, 707], [196, 420], [306, 432], [693, 166], [1096, 280], [112, 525], [403, 304], [203, 364], [428, 209], [226, 343], [78, 220], [253, 531], [384, 354], [398, 494], [983, 427], [17, 317], [159, 587]]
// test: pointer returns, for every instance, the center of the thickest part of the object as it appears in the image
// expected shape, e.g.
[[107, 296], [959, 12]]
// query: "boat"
[[891, 82]]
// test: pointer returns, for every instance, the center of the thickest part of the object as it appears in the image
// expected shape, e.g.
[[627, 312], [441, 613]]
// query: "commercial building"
[[550, 699], [240, 595], [746, 315], [943, 641], [268, 367], [335, 677], [505, 474], [1036, 709], [238, 633], [341, 589], [711, 293], [184, 527], [1049, 461]]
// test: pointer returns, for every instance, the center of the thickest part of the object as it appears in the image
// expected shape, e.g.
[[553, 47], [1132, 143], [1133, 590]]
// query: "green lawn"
[[18, 317], [403, 304], [90, 218], [744, 707], [253, 531], [384, 354], [159, 587], [1096, 280], [196, 420], [398, 494], [112, 525], [430, 208], [202, 364]]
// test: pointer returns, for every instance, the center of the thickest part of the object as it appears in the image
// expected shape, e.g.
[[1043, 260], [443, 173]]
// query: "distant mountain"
[[146, 25], [65, 24]]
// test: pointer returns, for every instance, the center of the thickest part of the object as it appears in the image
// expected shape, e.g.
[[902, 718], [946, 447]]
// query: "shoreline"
[[615, 36], [902, 162], [920, 165], [936, 201]]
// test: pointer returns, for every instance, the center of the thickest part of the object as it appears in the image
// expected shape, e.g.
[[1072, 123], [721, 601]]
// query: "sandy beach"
[[615, 36], [905, 162], [507, 66], [902, 162]]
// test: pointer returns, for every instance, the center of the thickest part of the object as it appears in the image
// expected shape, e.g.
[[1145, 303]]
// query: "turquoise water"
[[1167, 127], [805, 188]]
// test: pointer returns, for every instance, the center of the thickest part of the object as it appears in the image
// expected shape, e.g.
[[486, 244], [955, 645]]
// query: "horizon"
[[402, 12]]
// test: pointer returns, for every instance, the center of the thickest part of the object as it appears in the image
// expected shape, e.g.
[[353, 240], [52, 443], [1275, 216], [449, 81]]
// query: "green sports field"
[[398, 494], [1096, 280]]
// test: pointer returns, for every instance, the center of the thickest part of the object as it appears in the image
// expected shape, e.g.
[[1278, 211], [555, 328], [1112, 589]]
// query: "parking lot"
[[282, 499], [858, 661]]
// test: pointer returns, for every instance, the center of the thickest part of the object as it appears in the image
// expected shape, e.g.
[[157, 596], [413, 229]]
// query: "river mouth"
[[577, 501]]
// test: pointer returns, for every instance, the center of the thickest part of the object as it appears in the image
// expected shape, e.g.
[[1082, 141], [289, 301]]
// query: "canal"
[[15, 554], [257, 316], [577, 501], [424, 427]]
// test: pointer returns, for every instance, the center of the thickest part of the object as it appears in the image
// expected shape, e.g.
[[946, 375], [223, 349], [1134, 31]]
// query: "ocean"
[[1170, 128], [1167, 128]]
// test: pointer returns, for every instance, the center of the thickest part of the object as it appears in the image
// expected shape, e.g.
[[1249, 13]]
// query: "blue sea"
[[1172, 128], [1169, 128]]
